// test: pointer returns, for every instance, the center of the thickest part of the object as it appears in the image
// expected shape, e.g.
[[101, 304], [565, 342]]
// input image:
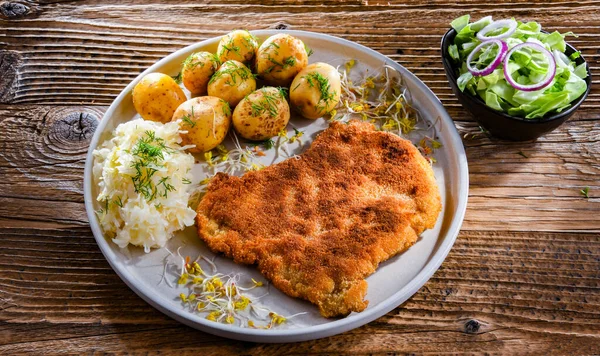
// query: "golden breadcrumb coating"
[[318, 225]]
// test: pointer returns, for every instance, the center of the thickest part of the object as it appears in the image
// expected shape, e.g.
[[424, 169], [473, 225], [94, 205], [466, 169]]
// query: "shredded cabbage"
[[144, 178], [526, 66]]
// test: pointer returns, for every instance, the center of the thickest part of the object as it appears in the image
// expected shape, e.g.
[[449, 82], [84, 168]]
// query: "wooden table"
[[523, 276]]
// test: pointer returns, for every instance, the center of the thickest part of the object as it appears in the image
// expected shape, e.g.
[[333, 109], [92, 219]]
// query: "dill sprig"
[[226, 108], [149, 151], [233, 71], [250, 41], [285, 63], [309, 51], [273, 46], [177, 78], [197, 59], [188, 118], [267, 144], [188, 121], [520, 153], [315, 79], [268, 102], [230, 46], [289, 62]]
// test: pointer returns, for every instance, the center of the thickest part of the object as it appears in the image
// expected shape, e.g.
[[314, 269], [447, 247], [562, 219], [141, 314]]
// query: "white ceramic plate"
[[395, 281]]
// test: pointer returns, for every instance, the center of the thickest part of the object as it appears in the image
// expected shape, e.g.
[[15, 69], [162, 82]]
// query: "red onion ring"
[[542, 83], [502, 49], [511, 24]]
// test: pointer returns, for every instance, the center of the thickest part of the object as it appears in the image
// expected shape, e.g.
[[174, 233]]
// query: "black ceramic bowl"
[[501, 124]]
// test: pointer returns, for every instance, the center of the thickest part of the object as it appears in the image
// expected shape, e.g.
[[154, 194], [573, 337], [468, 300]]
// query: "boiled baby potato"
[[206, 119], [316, 90], [232, 82], [157, 96], [262, 114], [280, 58], [238, 45], [197, 70]]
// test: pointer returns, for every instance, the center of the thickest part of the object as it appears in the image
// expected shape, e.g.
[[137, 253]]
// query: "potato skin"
[[156, 97], [262, 114], [197, 70], [280, 58], [206, 119], [238, 45], [232, 82], [316, 90]]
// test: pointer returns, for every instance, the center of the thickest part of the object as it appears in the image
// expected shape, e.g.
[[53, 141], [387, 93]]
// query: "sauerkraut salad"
[[144, 177]]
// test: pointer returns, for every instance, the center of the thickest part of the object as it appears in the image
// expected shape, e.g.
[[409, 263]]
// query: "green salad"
[[516, 68]]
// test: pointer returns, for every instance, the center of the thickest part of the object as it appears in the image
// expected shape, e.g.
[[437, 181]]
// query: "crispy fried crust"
[[318, 225]]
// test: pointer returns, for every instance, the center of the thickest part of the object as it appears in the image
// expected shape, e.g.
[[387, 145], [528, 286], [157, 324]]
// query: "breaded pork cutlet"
[[318, 225]]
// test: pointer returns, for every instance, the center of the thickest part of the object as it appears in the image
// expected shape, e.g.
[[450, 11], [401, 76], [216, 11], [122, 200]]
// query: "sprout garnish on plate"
[[219, 297], [385, 101]]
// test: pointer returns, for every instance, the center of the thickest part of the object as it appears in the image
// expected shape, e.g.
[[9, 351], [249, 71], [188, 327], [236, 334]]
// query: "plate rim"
[[303, 333]]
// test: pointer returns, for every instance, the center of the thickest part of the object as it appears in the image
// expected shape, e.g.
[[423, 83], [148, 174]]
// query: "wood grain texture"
[[522, 278]]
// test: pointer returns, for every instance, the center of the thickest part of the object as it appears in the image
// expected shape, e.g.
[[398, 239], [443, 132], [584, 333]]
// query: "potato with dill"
[[206, 119], [156, 97], [197, 70], [239, 45], [316, 90], [280, 58], [262, 114], [232, 82]]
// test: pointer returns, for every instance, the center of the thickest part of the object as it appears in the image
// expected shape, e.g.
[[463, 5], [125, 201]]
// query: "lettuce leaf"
[[526, 66]]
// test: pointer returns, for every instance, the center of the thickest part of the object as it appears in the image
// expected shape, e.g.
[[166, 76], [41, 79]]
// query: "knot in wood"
[[9, 67], [472, 326], [13, 10], [281, 26], [75, 127]]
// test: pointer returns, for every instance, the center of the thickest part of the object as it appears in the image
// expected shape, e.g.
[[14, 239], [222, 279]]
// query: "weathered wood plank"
[[42, 153], [70, 56], [493, 292], [523, 277]]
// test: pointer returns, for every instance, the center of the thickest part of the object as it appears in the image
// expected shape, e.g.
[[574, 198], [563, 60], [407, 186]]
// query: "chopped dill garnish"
[[267, 103], [268, 144], [177, 78], [118, 202], [192, 61], [149, 151], [309, 51], [226, 108], [105, 209], [283, 92], [188, 120], [167, 187], [186, 181], [289, 62], [231, 47], [251, 41], [520, 153], [585, 192], [274, 61], [274, 45], [197, 59], [233, 71], [315, 79]]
